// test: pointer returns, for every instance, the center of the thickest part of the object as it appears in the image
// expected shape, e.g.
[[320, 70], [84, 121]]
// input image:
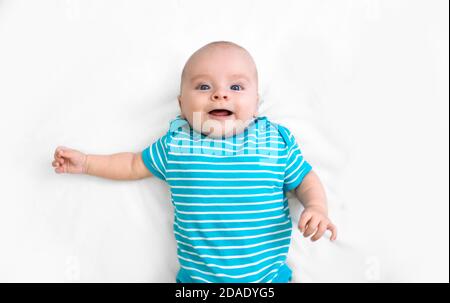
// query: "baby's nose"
[[220, 96]]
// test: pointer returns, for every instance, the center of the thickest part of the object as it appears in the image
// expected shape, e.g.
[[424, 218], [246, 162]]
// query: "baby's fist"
[[314, 220], [69, 160]]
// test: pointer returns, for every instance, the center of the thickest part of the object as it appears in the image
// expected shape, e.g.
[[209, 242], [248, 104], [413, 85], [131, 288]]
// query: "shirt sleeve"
[[296, 166], [155, 157]]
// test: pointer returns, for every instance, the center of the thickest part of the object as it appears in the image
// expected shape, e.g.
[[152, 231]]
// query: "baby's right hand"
[[69, 161]]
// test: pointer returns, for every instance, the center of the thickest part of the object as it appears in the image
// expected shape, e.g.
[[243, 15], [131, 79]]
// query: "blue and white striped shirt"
[[232, 221]]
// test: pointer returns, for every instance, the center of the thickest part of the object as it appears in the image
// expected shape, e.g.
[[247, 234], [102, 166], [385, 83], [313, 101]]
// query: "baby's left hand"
[[314, 218]]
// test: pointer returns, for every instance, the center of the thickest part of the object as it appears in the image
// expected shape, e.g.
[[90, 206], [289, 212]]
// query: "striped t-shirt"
[[232, 221]]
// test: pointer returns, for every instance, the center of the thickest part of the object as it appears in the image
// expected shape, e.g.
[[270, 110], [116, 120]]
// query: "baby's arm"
[[120, 166], [311, 194]]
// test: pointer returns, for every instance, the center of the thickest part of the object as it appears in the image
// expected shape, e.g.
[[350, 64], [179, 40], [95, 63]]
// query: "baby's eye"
[[203, 86], [236, 85]]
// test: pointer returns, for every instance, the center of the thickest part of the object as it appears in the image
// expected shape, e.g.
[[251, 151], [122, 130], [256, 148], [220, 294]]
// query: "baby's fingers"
[[56, 155], [59, 169], [68, 154], [320, 231], [62, 151], [58, 159], [59, 166], [304, 218], [333, 230], [311, 227]]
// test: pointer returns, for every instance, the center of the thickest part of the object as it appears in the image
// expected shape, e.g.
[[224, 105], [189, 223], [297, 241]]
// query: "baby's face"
[[219, 91]]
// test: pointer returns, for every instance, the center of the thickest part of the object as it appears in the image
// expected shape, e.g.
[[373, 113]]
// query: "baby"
[[228, 170]]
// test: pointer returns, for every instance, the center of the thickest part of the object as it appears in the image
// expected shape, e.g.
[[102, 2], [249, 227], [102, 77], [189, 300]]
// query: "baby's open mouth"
[[220, 112]]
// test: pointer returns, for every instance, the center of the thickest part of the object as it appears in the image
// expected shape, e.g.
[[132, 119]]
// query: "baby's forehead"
[[204, 62], [222, 53], [232, 65]]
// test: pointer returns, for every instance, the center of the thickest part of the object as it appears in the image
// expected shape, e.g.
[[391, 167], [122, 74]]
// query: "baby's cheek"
[[244, 116]]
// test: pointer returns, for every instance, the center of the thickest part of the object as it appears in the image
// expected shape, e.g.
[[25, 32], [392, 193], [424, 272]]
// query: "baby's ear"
[[179, 103]]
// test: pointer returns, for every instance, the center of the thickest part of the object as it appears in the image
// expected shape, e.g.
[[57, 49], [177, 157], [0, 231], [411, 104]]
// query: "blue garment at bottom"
[[284, 275]]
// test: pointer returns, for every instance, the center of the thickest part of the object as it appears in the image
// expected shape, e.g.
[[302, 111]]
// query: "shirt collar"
[[178, 122]]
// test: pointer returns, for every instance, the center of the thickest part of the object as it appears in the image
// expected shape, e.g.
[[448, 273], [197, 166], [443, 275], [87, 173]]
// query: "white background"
[[363, 85]]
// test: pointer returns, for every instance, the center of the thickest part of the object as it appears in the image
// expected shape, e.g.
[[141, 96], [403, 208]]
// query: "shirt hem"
[[284, 275]]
